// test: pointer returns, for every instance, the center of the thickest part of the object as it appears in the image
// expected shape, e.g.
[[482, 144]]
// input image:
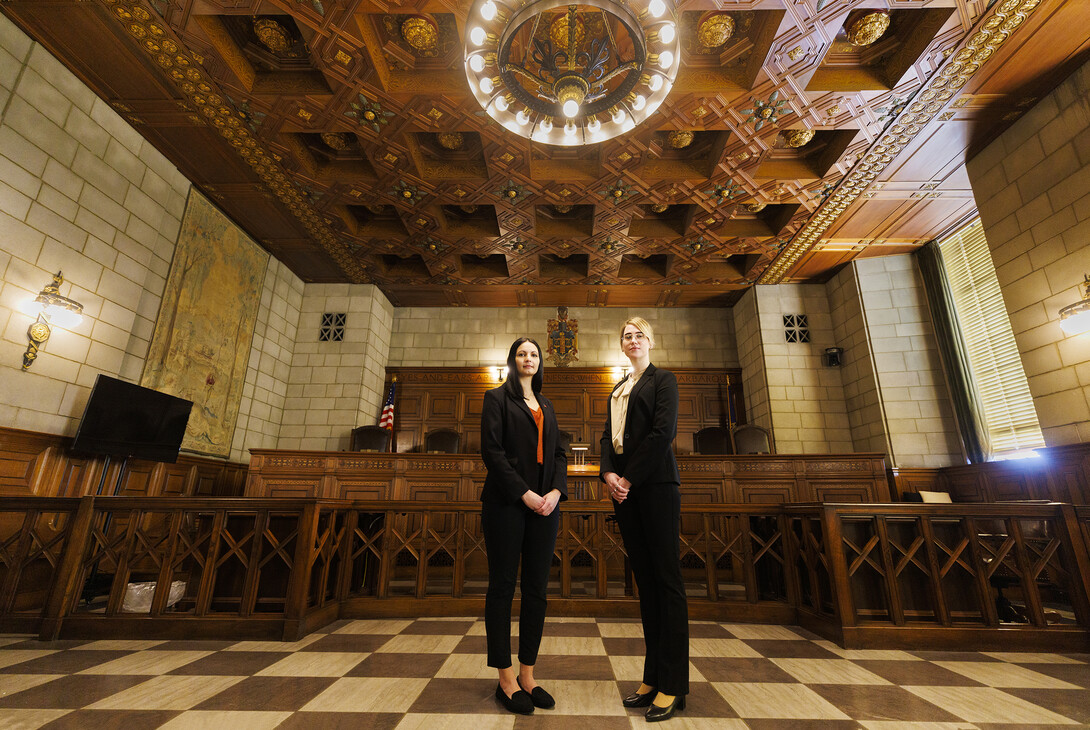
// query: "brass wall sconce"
[[1075, 318], [50, 308]]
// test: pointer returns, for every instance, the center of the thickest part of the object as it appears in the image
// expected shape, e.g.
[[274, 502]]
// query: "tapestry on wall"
[[201, 343]]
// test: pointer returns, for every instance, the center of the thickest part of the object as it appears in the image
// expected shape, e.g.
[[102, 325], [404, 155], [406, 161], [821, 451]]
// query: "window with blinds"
[[995, 365]]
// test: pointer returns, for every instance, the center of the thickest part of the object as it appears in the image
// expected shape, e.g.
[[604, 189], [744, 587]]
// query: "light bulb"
[[593, 126], [476, 63], [488, 10], [546, 125], [667, 33], [655, 83], [571, 108], [523, 118], [477, 35], [501, 103], [666, 59], [486, 86], [618, 116], [569, 128], [657, 8], [639, 102]]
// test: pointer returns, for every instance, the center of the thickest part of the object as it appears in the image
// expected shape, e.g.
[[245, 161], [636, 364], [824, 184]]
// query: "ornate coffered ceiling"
[[341, 134]]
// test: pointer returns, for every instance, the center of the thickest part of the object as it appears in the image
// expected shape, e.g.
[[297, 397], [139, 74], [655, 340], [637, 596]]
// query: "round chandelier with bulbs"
[[571, 74]]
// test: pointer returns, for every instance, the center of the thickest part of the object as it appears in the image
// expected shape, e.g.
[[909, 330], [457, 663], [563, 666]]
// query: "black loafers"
[[637, 700], [519, 703], [656, 713], [539, 697]]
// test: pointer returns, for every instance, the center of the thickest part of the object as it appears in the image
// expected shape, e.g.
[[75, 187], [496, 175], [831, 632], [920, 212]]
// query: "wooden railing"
[[863, 575]]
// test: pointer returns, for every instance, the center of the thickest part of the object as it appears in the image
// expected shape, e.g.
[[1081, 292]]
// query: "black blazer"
[[509, 448], [649, 431]]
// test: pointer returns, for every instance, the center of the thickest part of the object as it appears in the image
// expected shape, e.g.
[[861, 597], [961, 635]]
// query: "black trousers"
[[513, 533], [650, 522]]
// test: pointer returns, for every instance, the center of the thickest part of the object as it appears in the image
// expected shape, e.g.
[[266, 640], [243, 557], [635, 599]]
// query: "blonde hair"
[[642, 325]]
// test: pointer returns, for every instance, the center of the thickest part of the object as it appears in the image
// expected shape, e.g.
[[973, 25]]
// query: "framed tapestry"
[[201, 344]]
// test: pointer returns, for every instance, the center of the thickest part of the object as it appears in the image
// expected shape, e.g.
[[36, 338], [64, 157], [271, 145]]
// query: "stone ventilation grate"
[[332, 329], [795, 328]]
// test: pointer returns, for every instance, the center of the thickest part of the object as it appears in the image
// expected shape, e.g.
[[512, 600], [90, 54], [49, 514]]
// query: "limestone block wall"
[[1032, 189], [261, 409], [866, 420], [475, 336], [334, 386], [919, 419], [83, 193], [755, 387], [805, 399]]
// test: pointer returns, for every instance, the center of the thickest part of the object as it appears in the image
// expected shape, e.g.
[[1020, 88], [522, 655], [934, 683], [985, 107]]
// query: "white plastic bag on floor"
[[138, 596]]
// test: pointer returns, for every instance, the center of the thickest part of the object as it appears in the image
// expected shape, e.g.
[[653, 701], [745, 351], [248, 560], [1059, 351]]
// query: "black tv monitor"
[[125, 420]]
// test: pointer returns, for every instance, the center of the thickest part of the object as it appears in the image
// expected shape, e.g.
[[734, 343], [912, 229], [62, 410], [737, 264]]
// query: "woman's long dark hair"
[[512, 382]]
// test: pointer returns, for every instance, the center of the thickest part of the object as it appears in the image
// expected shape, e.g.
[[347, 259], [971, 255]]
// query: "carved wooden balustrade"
[[862, 574]]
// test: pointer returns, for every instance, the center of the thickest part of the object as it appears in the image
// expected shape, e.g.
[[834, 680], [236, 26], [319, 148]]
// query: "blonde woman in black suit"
[[527, 479], [641, 476]]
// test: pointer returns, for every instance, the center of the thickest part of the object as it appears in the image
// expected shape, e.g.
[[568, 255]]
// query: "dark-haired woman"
[[642, 478], [527, 479]]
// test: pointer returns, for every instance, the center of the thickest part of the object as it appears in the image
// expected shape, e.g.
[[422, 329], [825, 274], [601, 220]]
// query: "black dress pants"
[[512, 532], [650, 521]]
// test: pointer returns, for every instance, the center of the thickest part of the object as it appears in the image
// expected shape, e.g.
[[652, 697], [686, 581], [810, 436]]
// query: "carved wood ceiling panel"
[[354, 152]]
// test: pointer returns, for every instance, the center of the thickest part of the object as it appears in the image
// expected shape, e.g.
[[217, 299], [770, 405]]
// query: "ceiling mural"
[[784, 139]]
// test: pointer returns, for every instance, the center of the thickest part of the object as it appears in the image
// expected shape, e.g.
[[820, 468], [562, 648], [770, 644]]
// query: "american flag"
[[386, 420]]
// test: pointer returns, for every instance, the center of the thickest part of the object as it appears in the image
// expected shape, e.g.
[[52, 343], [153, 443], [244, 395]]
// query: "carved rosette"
[[335, 140], [272, 35], [868, 29], [451, 140], [421, 34], [679, 138], [715, 30], [796, 138]]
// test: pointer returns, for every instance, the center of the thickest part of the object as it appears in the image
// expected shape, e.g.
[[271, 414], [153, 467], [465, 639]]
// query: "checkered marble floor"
[[431, 673]]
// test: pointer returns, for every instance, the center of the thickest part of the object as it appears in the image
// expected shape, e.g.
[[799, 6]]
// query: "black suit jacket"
[[649, 431], [509, 449]]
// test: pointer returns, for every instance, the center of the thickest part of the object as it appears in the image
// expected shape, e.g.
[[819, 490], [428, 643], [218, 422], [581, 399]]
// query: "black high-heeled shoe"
[[540, 697], [656, 713], [520, 702], [639, 700]]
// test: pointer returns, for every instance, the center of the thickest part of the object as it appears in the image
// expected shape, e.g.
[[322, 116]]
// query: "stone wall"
[[1032, 188]]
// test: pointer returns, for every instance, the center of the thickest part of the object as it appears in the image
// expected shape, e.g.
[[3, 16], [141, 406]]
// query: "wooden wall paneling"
[[766, 492]]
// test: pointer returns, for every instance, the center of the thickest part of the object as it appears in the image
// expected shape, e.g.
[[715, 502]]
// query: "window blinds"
[[993, 355]]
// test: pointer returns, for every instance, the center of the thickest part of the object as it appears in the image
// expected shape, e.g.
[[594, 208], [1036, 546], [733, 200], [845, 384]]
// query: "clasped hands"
[[543, 506], [617, 486]]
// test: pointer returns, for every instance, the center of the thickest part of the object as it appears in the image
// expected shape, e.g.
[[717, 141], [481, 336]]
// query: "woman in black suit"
[[527, 479], [641, 475]]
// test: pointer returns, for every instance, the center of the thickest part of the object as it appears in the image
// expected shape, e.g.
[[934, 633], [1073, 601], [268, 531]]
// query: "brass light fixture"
[[715, 30], [50, 308], [1075, 318], [571, 73]]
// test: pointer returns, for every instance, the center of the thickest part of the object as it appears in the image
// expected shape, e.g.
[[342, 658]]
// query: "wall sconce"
[[831, 358], [1075, 318], [501, 373], [50, 308]]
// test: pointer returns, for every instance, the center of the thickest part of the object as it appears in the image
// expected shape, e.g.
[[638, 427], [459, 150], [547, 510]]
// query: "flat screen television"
[[125, 420]]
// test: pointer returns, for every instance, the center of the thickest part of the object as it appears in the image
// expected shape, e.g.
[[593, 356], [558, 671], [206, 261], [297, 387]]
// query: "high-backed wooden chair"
[[712, 440], [750, 439], [566, 438], [370, 438], [443, 441]]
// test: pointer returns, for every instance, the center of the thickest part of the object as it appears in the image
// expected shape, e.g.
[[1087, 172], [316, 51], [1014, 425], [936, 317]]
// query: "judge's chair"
[[443, 441], [712, 440], [370, 438], [750, 439]]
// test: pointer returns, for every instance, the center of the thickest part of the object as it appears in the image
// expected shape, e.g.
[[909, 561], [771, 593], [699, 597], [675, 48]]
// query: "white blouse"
[[618, 410]]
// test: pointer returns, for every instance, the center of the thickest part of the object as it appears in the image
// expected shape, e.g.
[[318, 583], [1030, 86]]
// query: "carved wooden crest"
[[563, 338]]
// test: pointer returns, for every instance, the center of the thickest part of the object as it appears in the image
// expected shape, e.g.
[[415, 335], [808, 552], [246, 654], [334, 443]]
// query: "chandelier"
[[571, 74]]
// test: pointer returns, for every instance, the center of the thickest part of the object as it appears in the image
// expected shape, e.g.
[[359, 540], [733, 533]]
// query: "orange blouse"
[[539, 419]]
